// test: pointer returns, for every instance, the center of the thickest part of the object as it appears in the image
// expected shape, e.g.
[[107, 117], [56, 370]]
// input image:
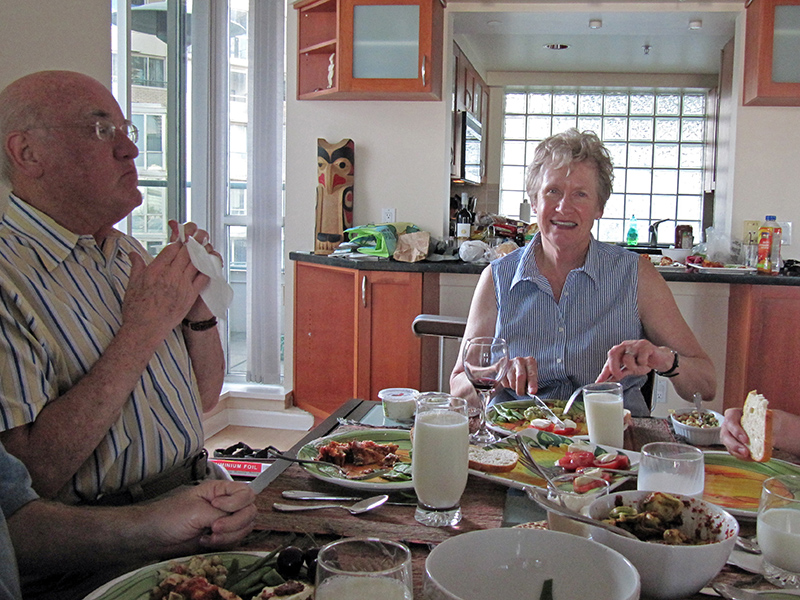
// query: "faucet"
[[654, 232]]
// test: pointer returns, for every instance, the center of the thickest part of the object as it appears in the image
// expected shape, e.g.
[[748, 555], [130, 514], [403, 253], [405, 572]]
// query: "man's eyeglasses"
[[105, 131]]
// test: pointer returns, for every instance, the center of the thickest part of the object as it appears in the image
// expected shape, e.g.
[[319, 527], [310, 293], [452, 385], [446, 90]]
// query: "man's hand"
[[199, 311], [212, 514]]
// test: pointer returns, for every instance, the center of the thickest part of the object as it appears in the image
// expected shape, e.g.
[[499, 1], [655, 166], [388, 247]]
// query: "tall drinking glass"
[[672, 468], [485, 364], [605, 413], [364, 568], [440, 458], [778, 529]]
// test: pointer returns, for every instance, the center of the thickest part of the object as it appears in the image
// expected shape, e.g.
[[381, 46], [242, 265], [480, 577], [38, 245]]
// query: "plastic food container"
[[399, 404], [699, 436]]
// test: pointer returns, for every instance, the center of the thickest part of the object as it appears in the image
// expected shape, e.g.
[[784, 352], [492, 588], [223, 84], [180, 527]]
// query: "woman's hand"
[[635, 357], [522, 376], [733, 436]]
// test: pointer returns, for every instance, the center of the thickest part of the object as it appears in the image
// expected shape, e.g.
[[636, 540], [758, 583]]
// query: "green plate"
[[735, 484], [493, 421], [401, 437], [546, 448], [136, 585]]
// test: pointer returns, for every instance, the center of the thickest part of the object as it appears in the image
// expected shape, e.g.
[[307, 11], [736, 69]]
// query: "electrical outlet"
[[750, 226], [388, 215]]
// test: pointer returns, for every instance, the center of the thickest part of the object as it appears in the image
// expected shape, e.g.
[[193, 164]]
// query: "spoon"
[[358, 508], [748, 545], [542, 500], [733, 593], [698, 400]]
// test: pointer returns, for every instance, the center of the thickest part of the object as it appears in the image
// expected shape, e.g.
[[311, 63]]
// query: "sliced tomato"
[[572, 461], [581, 485], [566, 431], [612, 461]]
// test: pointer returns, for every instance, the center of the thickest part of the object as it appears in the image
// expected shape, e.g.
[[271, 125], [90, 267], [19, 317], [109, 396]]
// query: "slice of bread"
[[757, 423], [495, 460]]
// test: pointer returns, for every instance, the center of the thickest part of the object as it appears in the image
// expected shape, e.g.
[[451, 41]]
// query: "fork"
[[272, 451], [528, 461]]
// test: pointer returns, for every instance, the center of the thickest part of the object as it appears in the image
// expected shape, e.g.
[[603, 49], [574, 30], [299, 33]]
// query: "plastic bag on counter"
[[474, 251], [379, 239], [718, 247]]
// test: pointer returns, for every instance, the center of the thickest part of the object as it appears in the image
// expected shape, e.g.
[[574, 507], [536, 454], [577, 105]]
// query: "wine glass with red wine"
[[485, 363]]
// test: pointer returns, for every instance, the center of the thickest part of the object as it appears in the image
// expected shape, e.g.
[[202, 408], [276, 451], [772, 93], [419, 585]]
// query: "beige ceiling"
[[510, 36]]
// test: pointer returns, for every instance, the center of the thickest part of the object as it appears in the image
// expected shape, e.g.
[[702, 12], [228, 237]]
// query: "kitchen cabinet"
[[352, 334], [772, 45], [370, 49], [471, 105], [763, 345]]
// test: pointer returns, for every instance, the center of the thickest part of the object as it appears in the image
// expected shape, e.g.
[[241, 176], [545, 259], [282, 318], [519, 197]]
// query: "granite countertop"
[[460, 267]]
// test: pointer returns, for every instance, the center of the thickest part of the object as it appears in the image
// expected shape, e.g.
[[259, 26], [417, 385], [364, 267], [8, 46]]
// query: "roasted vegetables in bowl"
[[683, 542]]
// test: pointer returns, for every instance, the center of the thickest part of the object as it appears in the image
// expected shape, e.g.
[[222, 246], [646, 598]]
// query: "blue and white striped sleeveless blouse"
[[570, 339], [60, 306]]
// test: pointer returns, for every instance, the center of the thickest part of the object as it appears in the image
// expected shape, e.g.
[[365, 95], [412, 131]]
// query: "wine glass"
[[485, 363]]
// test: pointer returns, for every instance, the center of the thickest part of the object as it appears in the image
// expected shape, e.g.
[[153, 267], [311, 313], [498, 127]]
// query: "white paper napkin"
[[218, 294]]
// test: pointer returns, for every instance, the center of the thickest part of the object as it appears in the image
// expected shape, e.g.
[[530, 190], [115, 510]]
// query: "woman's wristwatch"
[[200, 325], [673, 370]]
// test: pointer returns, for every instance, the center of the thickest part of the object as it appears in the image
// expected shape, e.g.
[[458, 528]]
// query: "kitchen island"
[[746, 322]]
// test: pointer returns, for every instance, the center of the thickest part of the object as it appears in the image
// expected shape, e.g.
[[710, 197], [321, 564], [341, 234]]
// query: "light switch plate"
[[748, 227], [786, 233]]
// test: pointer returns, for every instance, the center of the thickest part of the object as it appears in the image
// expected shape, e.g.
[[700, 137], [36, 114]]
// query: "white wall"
[[36, 35]]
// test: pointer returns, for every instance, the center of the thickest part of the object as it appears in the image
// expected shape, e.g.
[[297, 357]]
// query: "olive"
[[310, 556], [289, 562]]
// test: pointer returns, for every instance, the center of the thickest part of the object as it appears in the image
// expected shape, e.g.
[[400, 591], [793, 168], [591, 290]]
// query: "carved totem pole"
[[334, 212]]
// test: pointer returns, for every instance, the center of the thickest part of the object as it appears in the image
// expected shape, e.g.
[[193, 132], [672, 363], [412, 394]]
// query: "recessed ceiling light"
[[595, 23], [695, 24], [556, 46]]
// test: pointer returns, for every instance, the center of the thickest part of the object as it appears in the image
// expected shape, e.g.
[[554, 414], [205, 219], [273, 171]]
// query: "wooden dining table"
[[485, 504]]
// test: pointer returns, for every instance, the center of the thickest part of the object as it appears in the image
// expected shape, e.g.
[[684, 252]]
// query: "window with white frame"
[[184, 71], [656, 137]]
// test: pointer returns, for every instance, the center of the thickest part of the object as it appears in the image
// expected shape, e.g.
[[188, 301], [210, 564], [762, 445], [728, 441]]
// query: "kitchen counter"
[[460, 267]]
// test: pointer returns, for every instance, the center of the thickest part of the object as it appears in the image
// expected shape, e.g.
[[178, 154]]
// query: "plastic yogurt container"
[[399, 404]]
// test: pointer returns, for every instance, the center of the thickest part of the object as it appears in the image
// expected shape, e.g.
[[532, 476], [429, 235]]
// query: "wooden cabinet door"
[[325, 339], [392, 47], [389, 354], [772, 47], [763, 345]]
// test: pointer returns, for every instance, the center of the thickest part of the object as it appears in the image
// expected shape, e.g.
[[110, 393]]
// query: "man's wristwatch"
[[200, 325], [673, 370]]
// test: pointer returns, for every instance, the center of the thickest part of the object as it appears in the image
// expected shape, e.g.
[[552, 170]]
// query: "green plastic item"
[[633, 233], [379, 239]]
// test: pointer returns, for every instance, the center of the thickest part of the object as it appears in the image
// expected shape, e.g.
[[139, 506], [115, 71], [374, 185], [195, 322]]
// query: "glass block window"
[[656, 138]]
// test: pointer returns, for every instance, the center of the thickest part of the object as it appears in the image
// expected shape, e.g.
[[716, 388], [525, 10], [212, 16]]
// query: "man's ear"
[[23, 155]]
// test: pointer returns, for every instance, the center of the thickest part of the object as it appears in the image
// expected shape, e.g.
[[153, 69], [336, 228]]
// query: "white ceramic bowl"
[[677, 254], [700, 436], [669, 572], [514, 563]]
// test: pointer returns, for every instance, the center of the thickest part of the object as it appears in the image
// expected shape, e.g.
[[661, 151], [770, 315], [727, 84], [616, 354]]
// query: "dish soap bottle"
[[633, 232]]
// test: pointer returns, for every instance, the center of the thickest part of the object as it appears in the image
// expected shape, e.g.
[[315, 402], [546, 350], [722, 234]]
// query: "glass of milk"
[[364, 568], [778, 530], [672, 468], [440, 458], [604, 413]]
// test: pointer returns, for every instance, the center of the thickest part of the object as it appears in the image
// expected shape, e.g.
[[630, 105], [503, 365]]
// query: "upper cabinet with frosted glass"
[[772, 53], [370, 49]]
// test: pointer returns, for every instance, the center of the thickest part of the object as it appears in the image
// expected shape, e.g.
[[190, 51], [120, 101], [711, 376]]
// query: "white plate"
[[671, 268], [546, 448], [726, 270], [401, 437], [137, 584]]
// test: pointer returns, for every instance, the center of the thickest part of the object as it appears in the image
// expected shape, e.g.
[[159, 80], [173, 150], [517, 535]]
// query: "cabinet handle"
[[424, 69], [364, 291]]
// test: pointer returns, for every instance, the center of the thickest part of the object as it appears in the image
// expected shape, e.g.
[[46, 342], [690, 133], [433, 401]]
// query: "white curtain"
[[266, 88]]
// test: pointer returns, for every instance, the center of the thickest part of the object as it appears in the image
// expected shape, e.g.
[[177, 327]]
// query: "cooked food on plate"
[[361, 456], [516, 416], [658, 519], [757, 423]]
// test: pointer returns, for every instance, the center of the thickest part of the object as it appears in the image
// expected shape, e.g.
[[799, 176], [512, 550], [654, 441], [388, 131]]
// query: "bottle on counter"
[[463, 220], [525, 211], [769, 246], [632, 238]]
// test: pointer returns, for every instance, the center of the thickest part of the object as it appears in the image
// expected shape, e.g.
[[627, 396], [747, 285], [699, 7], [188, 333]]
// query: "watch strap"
[[200, 325], [673, 370]]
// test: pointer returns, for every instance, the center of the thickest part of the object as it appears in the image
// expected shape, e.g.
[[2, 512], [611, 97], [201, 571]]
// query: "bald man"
[[108, 357]]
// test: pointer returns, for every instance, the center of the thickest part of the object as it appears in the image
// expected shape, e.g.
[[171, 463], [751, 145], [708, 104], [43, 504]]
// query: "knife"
[[303, 495], [733, 593], [550, 414]]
